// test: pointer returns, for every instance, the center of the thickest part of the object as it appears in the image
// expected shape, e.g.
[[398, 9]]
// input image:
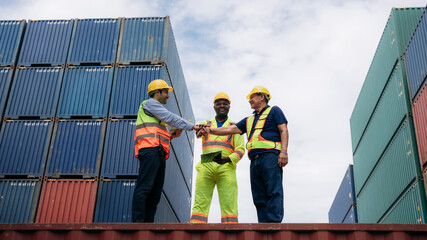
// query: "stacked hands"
[[204, 130]]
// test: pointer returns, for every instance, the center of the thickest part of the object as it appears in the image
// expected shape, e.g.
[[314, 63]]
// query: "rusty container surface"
[[419, 110], [181, 231], [67, 201]]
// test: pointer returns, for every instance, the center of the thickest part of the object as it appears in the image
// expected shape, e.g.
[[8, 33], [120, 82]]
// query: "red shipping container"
[[231, 231], [419, 110], [67, 201]]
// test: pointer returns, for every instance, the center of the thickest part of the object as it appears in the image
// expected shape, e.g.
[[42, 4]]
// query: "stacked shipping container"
[[415, 56], [343, 209], [386, 169], [76, 109]]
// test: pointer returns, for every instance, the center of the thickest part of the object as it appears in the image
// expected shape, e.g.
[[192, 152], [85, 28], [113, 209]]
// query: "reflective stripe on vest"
[[256, 140], [150, 132], [213, 142]]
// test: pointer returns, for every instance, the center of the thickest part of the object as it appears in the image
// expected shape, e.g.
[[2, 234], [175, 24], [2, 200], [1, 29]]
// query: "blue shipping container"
[[416, 57], [345, 198], [351, 216], [94, 41], [76, 148], [5, 80], [130, 88], [144, 40], [35, 92], [85, 92], [10, 38], [119, 156], [182, 150], [24, 146], [46, 42], [18, 200], [176, 190], [152, 40], [114, 203]]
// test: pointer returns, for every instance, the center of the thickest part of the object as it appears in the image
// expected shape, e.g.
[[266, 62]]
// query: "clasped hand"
[[203, 130]]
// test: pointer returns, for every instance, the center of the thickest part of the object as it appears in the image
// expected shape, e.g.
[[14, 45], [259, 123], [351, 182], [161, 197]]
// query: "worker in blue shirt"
[[267, 147]]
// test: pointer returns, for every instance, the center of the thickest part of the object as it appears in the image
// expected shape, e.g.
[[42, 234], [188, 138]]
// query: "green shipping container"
[[392, 108], [410, 208], [397, 33], [396, 170]]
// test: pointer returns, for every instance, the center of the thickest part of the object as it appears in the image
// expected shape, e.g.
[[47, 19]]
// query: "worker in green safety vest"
[[222, 170]]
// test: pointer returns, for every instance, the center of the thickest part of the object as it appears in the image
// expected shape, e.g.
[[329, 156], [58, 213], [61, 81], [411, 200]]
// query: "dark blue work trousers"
[[149, 186], [267, 188]]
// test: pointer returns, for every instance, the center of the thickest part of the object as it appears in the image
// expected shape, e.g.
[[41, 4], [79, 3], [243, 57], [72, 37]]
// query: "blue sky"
[[313, 56]]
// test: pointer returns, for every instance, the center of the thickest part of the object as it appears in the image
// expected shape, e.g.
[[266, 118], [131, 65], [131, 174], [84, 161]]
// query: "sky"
[[313, 57]]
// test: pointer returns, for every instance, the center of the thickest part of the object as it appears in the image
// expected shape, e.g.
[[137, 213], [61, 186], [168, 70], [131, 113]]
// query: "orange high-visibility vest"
[[150, 132]]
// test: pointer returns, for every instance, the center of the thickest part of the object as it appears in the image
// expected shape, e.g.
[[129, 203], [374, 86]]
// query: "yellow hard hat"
[[222, 95], [259, 89], [158, 84]]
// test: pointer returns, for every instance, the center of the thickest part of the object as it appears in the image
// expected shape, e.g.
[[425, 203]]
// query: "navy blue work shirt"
[[270, 130]]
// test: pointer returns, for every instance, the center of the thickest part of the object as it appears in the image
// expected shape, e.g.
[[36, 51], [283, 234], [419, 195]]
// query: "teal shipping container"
[[397, 169], [410, 208], [391, 110], [397, 33]]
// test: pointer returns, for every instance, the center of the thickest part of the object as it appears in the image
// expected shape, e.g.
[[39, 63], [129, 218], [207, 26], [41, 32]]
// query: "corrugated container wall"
[[67, 201], [34, 92], [351, 216], [130, 88], [119, 157], [94, 41], [76, 148], [10, 38], [396, 35], [19, 200], [419, 110], [46, 42], [6, 74], [392, 108], [152, 40], [182, 150], [410, 208], [396, 170], [416, 57], [114, 203], [345, 199], [85, 92], [249, 231], [24, 146], [176, 190]]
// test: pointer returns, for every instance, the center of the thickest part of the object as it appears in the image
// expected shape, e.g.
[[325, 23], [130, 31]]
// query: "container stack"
[[146, 52], [416, 62], [70, 119], [343, 209], [387, 174]]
